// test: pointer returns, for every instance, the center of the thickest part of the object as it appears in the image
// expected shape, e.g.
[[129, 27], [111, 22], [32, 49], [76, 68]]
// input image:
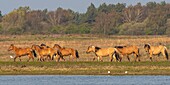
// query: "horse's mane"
[[57, 45], [44, 45], [38, 46], [97, 48], [147, 45], [120, 46]]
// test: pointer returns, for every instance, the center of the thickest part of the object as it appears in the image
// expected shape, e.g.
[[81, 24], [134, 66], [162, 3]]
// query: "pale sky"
[[76, 5]]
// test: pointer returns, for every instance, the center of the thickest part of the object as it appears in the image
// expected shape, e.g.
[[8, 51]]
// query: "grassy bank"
[[85, 68]]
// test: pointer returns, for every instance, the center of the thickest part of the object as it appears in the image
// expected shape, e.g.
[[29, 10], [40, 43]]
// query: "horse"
[[102, 52], [127, 50], [156, 50], [67, 51], [22, 52], [46, 52]]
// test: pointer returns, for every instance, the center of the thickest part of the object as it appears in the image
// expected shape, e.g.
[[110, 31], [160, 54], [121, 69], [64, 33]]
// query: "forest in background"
[[107, 19]]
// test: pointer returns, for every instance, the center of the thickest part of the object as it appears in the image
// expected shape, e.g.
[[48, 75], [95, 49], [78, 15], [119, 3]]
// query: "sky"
[[7, 6]]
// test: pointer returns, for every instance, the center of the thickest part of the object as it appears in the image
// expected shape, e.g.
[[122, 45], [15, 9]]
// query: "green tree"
[[119, 7], [15, 20], [103, 8], [91, 14]]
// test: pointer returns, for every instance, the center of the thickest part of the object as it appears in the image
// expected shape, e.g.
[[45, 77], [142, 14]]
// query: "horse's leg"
[[61, 57], [111, 57], [57, 59], [32, 58], [28, 58], [150, 56], [101, 59], [119, 58], [15, 57], [72, 57], [136, 57], [164, 54], [128, 58], [94, 58], [41, 58], [20, 58]]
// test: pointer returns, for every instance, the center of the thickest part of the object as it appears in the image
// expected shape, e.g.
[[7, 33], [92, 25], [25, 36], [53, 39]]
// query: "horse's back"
[[158, 49], [67, 51], [105, 51], [128, 49], [24, 51]]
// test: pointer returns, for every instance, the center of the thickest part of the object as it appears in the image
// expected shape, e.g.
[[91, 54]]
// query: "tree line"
[[107, 19]]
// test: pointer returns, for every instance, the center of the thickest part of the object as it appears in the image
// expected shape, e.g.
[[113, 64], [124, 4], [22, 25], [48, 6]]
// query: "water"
[[83, 80]]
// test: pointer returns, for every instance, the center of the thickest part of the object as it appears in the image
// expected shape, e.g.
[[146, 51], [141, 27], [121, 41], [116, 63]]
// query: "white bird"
[[126, 72], [11, 56], [108, 72]]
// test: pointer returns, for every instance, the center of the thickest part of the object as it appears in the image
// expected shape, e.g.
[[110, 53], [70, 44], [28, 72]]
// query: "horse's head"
[[147, 47], [11, 47], [92, 49]]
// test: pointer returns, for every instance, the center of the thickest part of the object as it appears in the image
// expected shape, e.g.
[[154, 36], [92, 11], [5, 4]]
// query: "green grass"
[[85, 68]]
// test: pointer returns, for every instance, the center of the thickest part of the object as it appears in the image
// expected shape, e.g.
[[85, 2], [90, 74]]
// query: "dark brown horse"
[[67, 51], [102, 52], [127, 50], [22, 52], [42, 52], [156, 50]]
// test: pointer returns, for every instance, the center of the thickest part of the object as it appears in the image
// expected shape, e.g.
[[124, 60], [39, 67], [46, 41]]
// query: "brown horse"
[[67, 51], [22, 52], [46, 52], [127, 50], [102, 52], [156, 50]]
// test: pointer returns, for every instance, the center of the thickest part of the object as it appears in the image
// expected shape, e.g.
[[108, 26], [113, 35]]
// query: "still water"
[[83, 80]]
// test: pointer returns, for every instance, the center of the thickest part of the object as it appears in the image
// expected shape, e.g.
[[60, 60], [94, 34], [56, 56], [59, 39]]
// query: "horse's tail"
[[138, 54], [117, 55], [77, 54], [166, 53], [34, 53]]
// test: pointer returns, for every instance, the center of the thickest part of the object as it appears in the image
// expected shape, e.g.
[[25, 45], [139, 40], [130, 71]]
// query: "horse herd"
[[57, 53]]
